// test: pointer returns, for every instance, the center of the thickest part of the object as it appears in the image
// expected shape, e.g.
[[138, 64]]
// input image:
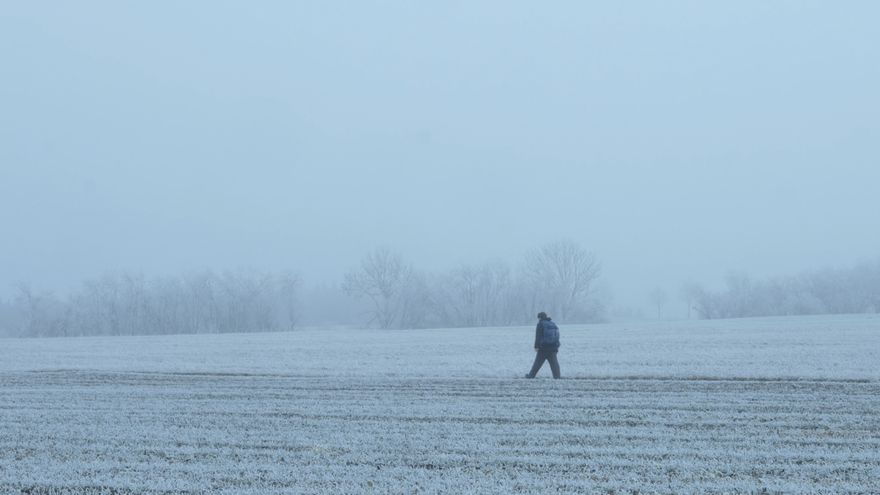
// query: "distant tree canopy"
[[387, 281], [831, 291], [556, 278], [201, 302], [385, 290], [559, 277]]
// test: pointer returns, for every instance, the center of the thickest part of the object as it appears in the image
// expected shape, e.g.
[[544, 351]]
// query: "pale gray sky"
[[678, 140]]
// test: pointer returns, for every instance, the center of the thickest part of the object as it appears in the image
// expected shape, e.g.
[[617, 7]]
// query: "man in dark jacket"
[[546, 345]]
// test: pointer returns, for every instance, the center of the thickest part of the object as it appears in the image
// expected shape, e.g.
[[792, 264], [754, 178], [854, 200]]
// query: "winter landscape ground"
[[777, 405]]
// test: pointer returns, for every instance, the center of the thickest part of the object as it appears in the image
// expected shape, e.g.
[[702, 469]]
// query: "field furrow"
[[98, 432]]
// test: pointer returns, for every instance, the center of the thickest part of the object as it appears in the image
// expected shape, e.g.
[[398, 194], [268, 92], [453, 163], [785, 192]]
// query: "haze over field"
[[312, 247], [678, 141]]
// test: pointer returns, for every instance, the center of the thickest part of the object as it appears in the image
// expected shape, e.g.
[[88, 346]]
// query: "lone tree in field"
[[658, 299], [561, 275], [690, 293], [383, 278]]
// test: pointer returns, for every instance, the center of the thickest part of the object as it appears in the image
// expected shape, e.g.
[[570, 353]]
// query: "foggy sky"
[[677, 140]]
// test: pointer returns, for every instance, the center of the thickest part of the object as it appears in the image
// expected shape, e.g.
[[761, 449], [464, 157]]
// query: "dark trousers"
[[542, 356]]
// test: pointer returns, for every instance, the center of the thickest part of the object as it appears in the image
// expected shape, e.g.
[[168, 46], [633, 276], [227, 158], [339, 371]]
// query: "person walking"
[[546, 345]]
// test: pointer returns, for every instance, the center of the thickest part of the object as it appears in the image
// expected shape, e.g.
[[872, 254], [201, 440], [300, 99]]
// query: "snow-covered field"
[[787, 405]]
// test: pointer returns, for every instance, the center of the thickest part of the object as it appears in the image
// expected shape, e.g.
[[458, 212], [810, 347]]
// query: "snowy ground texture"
[[781, 405]]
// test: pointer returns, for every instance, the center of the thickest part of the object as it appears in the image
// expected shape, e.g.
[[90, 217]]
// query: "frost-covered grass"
[[789, 405]]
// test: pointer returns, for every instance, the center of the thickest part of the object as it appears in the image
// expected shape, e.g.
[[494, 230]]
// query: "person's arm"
[[538, 330]]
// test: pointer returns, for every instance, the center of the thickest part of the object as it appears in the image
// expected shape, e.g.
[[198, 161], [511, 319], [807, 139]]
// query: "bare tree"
[[249, 305], [416, 302], [658, 299], [42, 313], [134, 301], [7, 319], [689, 293], [383, 278], [561, 275], [476, 295], [288, 307]]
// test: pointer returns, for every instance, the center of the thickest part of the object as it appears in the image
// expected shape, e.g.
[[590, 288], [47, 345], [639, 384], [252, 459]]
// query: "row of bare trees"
[[384, 291], [126, 304], [832, 291], [557, 278]]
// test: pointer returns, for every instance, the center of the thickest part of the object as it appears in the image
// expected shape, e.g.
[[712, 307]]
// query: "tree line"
[[126, 304], [386, 291], [558, 278], [854, 289], [383, 291]]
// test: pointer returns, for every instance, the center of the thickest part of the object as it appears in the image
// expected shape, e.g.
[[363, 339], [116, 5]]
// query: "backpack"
[[550, 335]]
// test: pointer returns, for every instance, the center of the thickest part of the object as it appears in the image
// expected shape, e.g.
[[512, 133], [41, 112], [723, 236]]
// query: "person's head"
[[543, 316]]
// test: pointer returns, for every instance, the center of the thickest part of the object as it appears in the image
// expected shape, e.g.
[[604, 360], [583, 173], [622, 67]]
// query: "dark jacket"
[[539, 333]]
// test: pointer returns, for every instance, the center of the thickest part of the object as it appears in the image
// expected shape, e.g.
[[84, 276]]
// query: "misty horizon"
[[678, 142], [674, 303]]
